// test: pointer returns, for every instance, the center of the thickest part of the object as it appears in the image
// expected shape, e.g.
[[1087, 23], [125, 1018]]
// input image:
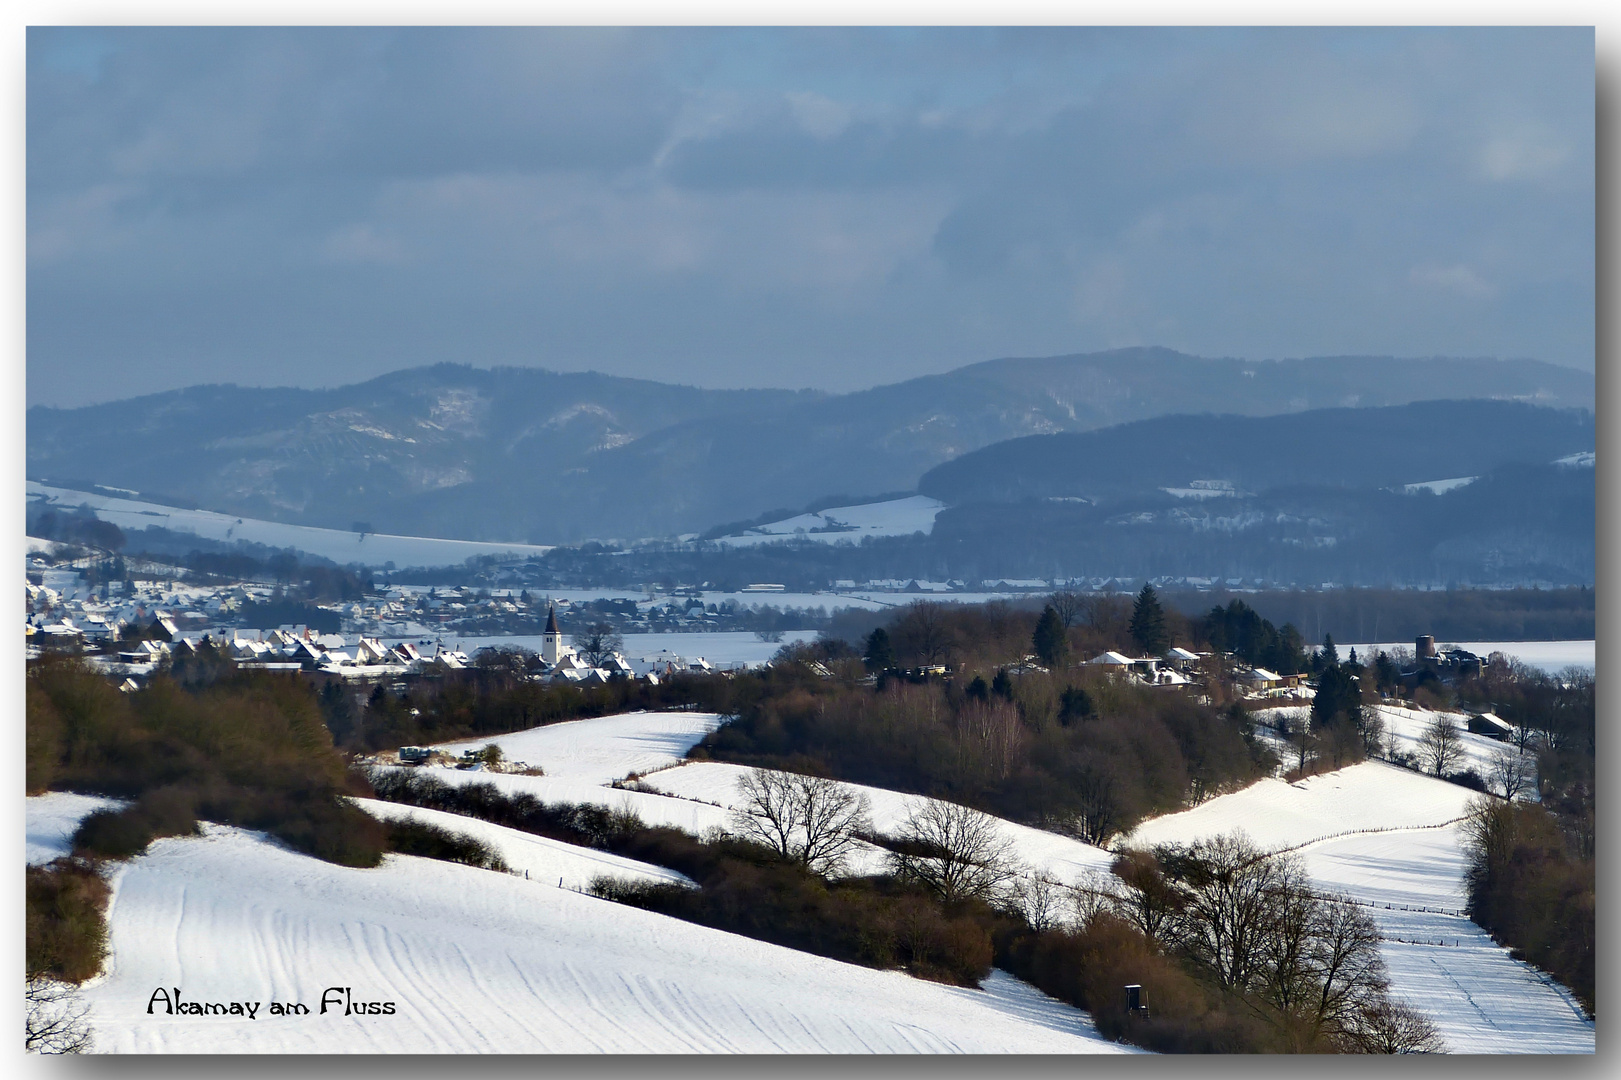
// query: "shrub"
[[66, 917], [432, 842]]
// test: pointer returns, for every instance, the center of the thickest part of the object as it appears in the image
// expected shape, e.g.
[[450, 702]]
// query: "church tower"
[[551, 645]]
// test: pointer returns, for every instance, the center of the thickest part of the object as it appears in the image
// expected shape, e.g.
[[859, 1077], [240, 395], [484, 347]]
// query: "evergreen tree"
[[1050, 641], [1002, 685], [978, 690], [880, 654], [1075, 704], [1148, 623], [1331, 655]]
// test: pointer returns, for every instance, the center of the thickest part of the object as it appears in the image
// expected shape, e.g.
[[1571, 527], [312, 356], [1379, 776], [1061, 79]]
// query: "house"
[[1181, 659], [1491, 725]]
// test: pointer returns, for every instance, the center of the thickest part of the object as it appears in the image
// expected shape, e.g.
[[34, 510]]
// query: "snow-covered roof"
[[1176, 652], [1112, 658]]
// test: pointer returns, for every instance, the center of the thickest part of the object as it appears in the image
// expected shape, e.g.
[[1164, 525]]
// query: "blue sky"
[[828, 208]]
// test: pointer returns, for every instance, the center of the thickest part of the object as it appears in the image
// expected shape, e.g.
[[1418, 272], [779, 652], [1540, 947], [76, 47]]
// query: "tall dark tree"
[[880, 654], [1148, 623], [1049, 641]]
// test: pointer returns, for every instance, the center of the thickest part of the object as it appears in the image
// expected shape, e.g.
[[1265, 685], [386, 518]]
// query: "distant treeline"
[[1399, 615]]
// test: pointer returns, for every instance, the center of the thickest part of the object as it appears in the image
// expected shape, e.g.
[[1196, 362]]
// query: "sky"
[[831, 208]]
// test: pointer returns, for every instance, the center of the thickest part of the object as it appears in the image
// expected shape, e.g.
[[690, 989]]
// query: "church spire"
[[551, 620]]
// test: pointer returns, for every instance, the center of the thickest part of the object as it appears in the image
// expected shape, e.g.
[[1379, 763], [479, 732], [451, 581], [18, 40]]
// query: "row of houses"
[[1180, 667]]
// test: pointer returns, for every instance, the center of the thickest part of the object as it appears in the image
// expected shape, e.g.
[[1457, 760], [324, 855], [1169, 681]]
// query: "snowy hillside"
[[535, 858], [897, 517], [476, 961], [53, 817], [603, 749], [341, 546], [1384, 836], [1276, 814], [1062, 858]]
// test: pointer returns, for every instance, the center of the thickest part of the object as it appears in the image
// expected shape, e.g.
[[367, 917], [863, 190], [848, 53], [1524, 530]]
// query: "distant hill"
[[534, 456], [1198, 456]]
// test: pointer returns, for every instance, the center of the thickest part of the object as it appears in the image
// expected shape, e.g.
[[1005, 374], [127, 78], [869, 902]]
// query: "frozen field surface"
[[52, 819], [475, 961]]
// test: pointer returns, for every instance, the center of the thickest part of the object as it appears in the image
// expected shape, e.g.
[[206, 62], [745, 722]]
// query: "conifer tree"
[[880, 655], [1148, 623], [1050, 641]]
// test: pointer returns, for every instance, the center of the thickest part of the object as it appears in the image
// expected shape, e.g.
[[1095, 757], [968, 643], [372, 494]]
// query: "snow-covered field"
[[1059, 857], [533, 857], [373, 549], [1275, 814], [479, 962], [1551, 656], [1483, 1001], [475, 960], [605, 749], [1410, 874], [897, 517], [53, 817]]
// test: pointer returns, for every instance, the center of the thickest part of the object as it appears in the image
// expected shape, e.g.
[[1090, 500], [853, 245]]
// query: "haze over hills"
[[528, 455]]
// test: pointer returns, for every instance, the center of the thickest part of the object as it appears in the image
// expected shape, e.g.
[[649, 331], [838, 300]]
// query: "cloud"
[[754, 206], [1457, 278]]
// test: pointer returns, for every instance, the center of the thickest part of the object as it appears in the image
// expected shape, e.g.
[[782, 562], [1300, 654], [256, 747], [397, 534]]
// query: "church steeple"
[[551, 644]]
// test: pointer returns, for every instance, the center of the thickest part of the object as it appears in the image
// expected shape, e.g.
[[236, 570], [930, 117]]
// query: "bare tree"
[[1148, 898], [1070, 606], [598, 644], [1440, 748], [1394, 1027], [1091, 895], [953, 850], [56, 1018], [1229, 888], [811, 820], [1041, 901], [923, 632], [1511, 773]]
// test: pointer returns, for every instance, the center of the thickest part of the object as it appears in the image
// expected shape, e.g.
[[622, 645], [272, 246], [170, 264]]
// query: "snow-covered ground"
[[1404, 730], [604, 749], [1551, 656], [1062, 858], [373, 549], [1275, 814], [1384, 836], [527, 855], [1483, 1001], [476, 961], [52, 819], [897, 517]]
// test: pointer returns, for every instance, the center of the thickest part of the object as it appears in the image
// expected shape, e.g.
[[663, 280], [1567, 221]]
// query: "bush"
[[431, 842], [66, 916]]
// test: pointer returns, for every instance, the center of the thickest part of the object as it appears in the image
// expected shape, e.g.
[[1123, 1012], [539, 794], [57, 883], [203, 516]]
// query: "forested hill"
[[524, 455], [1355, 448]]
